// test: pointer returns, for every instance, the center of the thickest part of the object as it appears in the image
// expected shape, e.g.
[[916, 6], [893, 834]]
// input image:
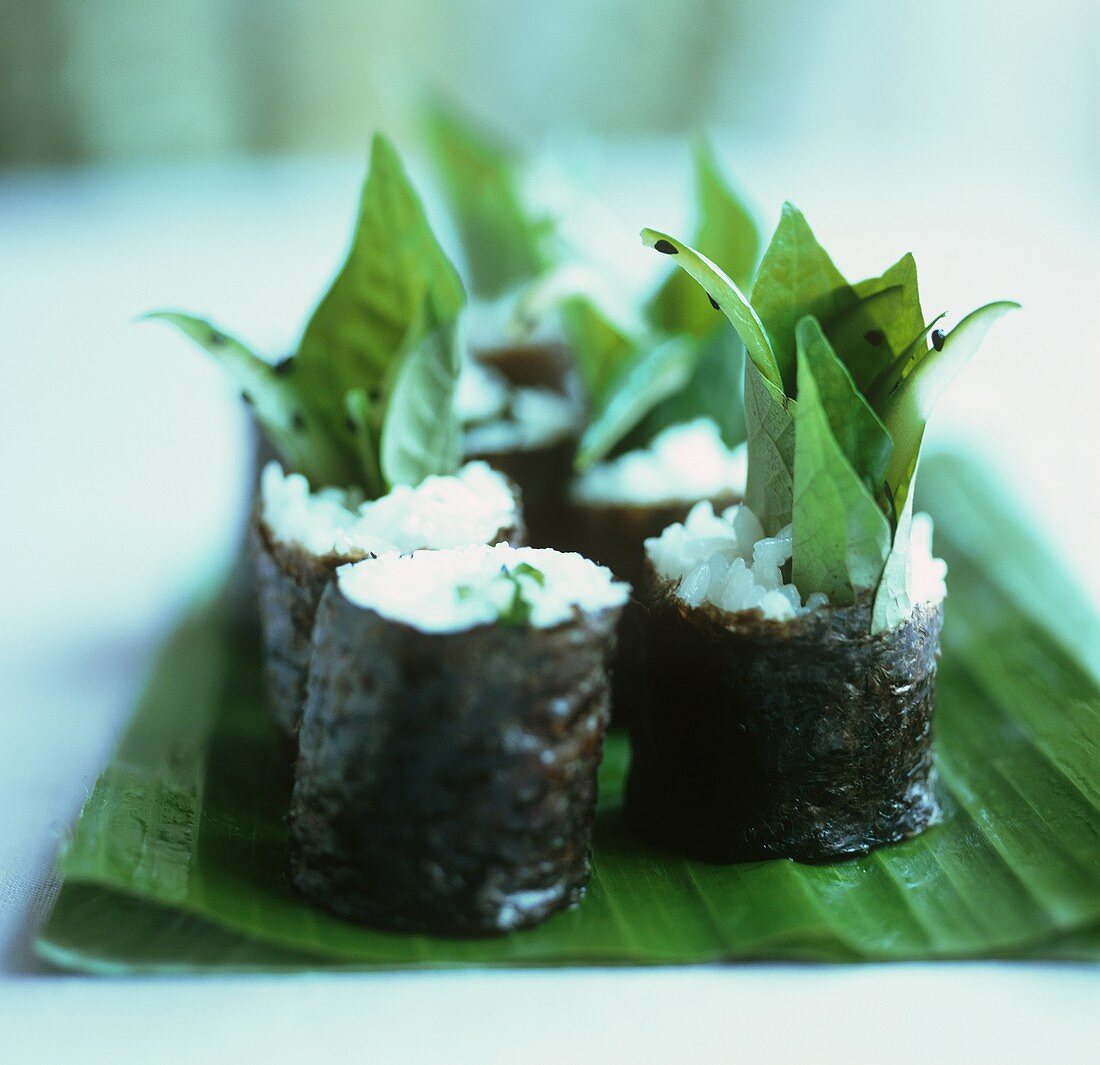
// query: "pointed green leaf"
[[855, 426], [393, 266], [841, 538], [296, 430], [901, 319], [879, 390], [731, 301], [796, 278], [770, 430], [421, 434], [658, 370], [859, 340], [908, 408], [503, 244], [726, 232], [714, 391]]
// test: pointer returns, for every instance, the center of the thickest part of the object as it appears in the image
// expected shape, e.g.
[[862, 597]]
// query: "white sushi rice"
[[726, 560], [461, 588], [472, 506], [682, 464], [499, 417]]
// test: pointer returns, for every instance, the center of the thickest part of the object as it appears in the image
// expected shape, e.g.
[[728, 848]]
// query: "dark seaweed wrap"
[[807, 739], [446, 783], [614, 535], [542, 472], [290, 581]]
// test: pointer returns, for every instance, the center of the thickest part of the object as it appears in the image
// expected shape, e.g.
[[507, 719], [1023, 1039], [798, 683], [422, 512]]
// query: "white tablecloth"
[[122, 463]]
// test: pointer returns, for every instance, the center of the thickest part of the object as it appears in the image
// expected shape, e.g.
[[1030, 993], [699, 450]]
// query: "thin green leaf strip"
[[421, 433], [658, 370], [726, 232], [770, 431], [841, 537], [908, 408], [731, 301]]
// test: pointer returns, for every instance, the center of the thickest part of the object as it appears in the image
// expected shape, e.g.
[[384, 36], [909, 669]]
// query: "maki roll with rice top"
[[302, 536], [364, 421], [793, 639], [446, 777]]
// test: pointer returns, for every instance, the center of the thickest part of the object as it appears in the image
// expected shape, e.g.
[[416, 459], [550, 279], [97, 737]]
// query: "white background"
[[123, 462]]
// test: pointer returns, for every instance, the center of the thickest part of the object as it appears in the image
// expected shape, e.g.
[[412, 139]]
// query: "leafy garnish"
[[324, 409], [730, 299], [419, 437], [713, 391], [656, 373], [838, 387], [725, 231], [770, 428], [841, 537], [796, 278], [907, 409], [856, 428], [602, 347], [518, 610], [503, 244]]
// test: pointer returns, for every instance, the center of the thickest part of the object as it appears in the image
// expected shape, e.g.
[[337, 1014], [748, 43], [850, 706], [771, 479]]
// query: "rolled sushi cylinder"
[[446, 778], [300, 537], [617, 504], [779, 727], [523, 412]]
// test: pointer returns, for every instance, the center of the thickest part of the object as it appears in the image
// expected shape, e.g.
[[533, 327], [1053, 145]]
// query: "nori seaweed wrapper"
[[290, 581], [446, 782], [543, 472], [807, 739], [614, 535]]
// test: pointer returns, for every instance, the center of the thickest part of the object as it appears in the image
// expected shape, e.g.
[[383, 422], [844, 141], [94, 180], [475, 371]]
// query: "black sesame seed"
[[375, 394], [938, 337], [713, 302], [217, 339], [298, 422], [247, 397], [665, 247], [875, 337], [284, 366]]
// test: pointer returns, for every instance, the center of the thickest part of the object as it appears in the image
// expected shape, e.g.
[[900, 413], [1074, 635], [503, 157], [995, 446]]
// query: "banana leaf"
[[176, 862]]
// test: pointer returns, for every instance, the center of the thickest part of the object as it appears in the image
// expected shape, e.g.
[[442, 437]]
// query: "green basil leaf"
[[907, 409], [658, 370], [901, 319], [841, 537], [856, 428], [727, 295], [726, 232], [394, 267], [714, 391], [796, 278], [421, 434], [502, 243], [879, 390], [770, 429]]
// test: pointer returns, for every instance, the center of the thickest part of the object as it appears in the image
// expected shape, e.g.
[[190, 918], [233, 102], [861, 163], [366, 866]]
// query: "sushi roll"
[[446, 776], [777, 726], [793, 640], [301, 537], [522, 413], [616, 505]]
